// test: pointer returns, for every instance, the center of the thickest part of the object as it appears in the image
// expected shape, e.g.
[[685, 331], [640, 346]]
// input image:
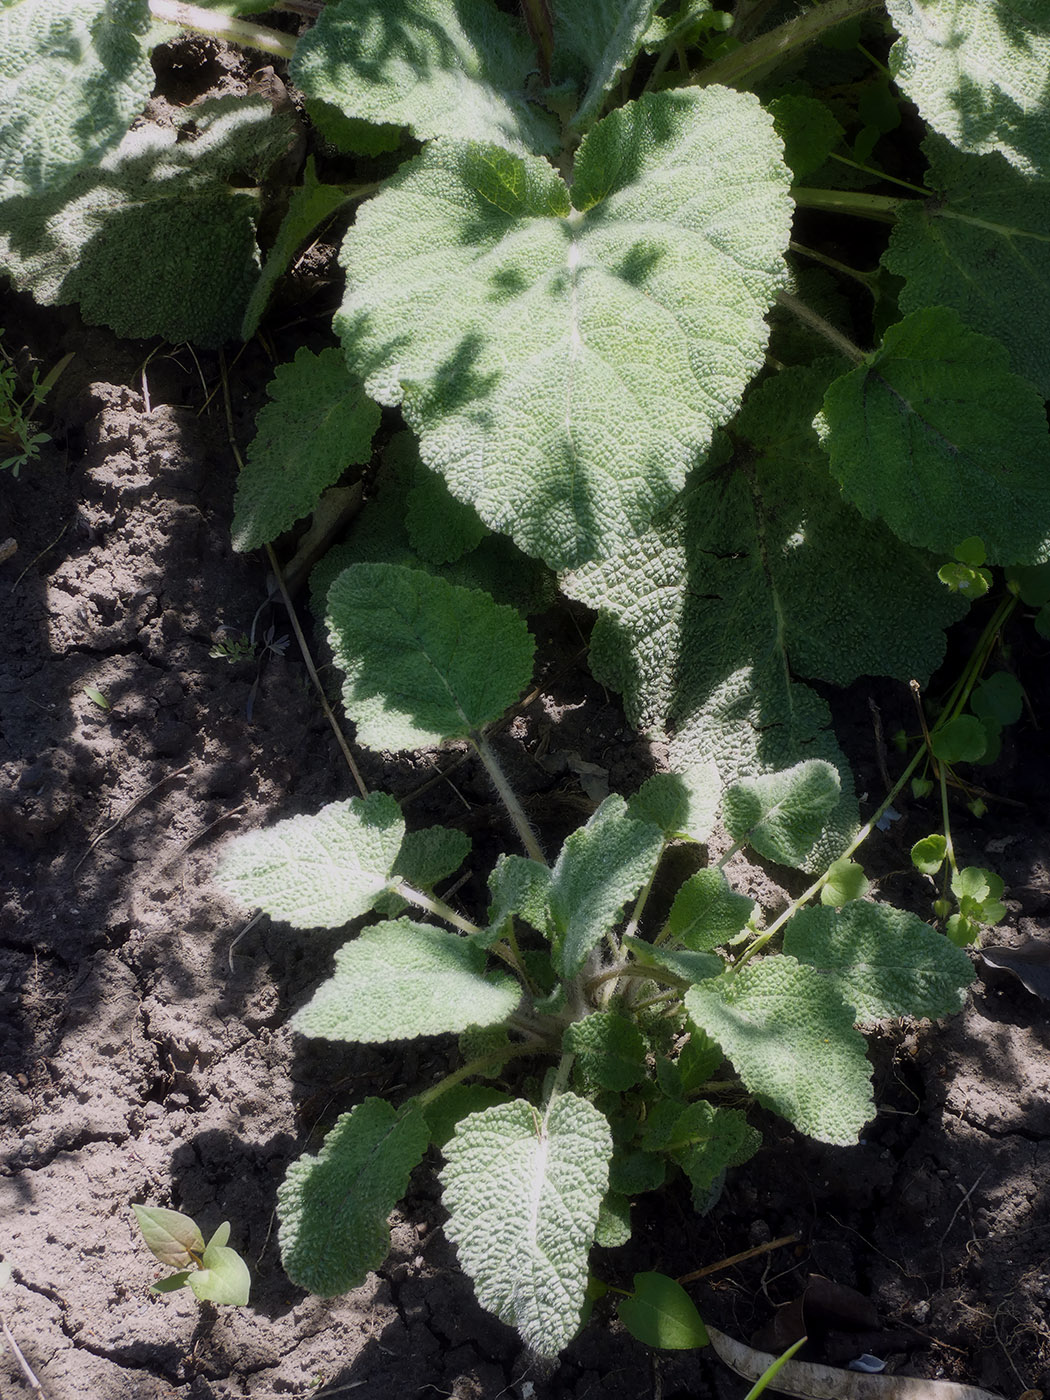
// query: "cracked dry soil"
[[144, 1048]]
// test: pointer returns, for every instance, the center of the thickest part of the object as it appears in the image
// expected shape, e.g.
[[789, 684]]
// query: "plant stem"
[[815, 889], [817, 322], [949, 849], [514, 808], [472, 1067], [881, 175], [434, 906], [883, 208], [866, 279], [219, 26], [772, 47]]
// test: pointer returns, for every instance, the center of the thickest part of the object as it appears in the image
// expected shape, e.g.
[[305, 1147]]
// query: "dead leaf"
[[808, 1381], [1029, 962]]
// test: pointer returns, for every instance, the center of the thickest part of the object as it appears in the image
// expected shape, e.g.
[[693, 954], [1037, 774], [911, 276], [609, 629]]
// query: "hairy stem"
[[817, 322], [883, 208], [472, 1067], [866, 279], [220, 26], [741, 66], [434, 906], [514, 808]]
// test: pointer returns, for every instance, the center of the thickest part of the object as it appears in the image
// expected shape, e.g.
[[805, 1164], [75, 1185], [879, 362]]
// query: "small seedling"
[[215, 1272], [96, 697], [233, 649], [18, 431]]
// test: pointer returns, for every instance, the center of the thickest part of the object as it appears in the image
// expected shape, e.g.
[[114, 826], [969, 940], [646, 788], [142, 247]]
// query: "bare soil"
[[144, 1049]]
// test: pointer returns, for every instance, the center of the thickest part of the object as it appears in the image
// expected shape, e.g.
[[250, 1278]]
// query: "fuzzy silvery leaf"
[[709, 621], [781, 815], [601, 866], [791, 1038], [157, 239], [520, 888], [333, 1207], [706, 912], [883, 961], [318, 422], [523, 1188], [977, 71], [983, 214], [610, 1050], [439, 67], [457, 1103], [506, 317], [614, 1222], [936, 435], [399, 980], [682, 804], [73, 74], [593, 41], [317, 871], [424, 660], [683, 965], [704, 1139]]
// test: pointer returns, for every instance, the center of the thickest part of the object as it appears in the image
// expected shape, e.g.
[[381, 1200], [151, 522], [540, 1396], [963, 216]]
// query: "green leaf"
[[593, 41], [440, 528], [978, 892], [706, 913], [379, 535], [524, 1190], [682, 966], [792, 1040], [457, 1103], [610, 1050], [317, 871], [928, 854], [333, 1208], [632, 1173], [398, 980], [506, 322], [1032, 584], [998, 697], [311, 204], [781, 815], [430, 855], [961, 578], [961, 740], [224, 1277], [180, 189], [808, 130], [977, 73], [883, 961], [352, 134], [170, 1236], [846, 881], [614, 1222], [173, 1282], [935, 434], [73, 74], [520, 888], [424, 660], [318, 422], [698, 1060], [601, 866], [661, 1314], [439, 67], [683, 805], [709, 620], [980, 246]]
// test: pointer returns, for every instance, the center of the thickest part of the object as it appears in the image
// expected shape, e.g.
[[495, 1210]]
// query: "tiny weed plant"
[[19, 435], [602, 1051], [213, 1272]]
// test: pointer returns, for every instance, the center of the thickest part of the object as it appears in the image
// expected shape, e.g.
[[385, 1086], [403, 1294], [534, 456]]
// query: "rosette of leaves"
[[531, 1183]]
